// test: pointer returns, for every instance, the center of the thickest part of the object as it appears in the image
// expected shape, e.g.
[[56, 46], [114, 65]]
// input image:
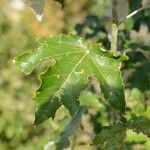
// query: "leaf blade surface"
[[75, 61]]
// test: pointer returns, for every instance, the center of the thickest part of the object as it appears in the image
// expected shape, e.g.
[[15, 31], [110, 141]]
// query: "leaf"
[[70, 129], [112, 137], [141, 76], [129, 23], [137, 99], [46, 110], [37, 7], [62, 2], [75, 61], [133, 137], [140, 124], [137, 96], [89, 99]]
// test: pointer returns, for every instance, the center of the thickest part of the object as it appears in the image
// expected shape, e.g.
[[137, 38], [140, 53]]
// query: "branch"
[[114, 12], [115, 22], [134, 13]]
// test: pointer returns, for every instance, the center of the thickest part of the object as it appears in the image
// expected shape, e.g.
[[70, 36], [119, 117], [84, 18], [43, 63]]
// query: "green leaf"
[[137, 96], [70, 129], [75, 61], [140, 124], [89, 99], [138, 101], [129, 23], [46, 110], [134, 137], [112, 137]]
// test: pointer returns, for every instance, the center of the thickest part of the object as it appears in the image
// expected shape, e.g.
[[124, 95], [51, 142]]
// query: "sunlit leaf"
[[75, 61]]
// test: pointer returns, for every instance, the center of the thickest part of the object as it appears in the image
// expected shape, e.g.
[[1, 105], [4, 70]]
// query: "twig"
[[114, 38], [114, 35], [134, 13], [114, 41]]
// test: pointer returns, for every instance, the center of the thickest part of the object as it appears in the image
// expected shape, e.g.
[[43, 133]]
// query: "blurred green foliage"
[[90, 19]]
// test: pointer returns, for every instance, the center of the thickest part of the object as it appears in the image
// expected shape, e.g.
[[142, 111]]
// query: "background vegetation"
[[89, 19]]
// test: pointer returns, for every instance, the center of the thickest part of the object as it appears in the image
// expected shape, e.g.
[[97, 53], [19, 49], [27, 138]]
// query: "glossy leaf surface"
[[75, 60]]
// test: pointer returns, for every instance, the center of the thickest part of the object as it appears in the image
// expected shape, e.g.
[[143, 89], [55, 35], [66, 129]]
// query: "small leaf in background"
[[134, 137], [112, 137], [75, 60], [141, 76], [140, 124], [37, 7], [138, 101], [70, 129], [89, 99], [137, 96], [129, 23]]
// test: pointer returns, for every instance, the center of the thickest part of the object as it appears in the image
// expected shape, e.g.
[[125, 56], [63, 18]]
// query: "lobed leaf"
[[75, 61], [112, 137], [140, 124]]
